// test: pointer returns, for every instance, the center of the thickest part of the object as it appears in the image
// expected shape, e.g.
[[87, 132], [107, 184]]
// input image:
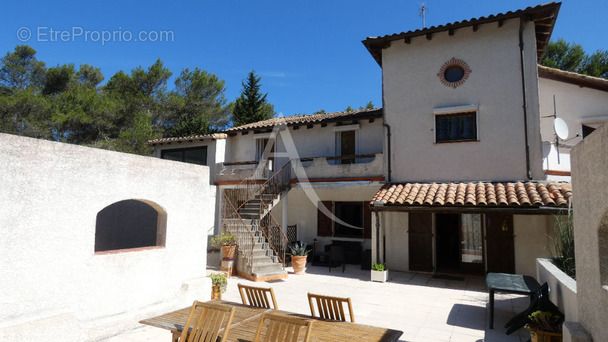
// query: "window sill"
[[128, 250], [454, 142]]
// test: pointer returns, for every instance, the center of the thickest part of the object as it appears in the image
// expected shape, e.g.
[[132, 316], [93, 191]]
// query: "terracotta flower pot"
[[545, 336], [216, 292], [228, 252], [298, 262]]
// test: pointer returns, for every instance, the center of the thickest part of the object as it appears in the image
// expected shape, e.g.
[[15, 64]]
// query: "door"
[[420, 236], [347, 142], [447, 242], [499, 243]]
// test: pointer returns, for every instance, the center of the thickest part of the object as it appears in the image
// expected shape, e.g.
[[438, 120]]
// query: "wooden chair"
[[282, 328], [330, 307], [257, 296], [205, 322]]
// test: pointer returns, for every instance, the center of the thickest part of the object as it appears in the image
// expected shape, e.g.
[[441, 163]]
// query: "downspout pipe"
[[524, 92], [388, 146]]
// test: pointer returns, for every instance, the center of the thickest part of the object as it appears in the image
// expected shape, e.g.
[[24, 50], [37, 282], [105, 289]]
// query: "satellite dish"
[[561, 128]]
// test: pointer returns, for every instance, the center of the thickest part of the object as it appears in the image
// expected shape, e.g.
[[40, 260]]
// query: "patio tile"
[[424, 308]]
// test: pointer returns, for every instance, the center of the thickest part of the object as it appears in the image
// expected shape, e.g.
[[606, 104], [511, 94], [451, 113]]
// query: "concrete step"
[[267, 269]]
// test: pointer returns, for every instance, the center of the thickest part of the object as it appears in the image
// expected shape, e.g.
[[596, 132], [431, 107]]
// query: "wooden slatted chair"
[[282, 328], [205, 322], [330, 307], [257, 296]]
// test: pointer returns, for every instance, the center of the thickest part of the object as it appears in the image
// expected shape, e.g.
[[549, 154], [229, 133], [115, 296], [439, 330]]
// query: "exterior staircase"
[[260, 238]]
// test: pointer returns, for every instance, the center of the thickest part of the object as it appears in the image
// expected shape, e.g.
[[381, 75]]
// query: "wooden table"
[[246, 320], [511, 283]]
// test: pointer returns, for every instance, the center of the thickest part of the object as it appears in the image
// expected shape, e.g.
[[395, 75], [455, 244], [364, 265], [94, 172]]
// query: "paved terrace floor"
[[423, 307]]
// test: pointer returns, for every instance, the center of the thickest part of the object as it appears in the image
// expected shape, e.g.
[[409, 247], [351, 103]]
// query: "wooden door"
[[421, 241], [499, 243]]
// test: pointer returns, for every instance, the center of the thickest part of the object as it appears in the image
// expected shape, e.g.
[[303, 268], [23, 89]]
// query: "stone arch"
[[132, 223]]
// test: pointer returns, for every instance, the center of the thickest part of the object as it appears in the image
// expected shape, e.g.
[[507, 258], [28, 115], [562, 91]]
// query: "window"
[[456, 127], [346, 143], [130, 224], [454, 73], [261, 144], [194, 155], [350, 219]]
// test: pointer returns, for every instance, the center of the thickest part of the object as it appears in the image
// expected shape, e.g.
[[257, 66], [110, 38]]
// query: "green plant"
[[299, 249], [219, 279], [379, 267], [564, 245], [545, 321], [224, 239]]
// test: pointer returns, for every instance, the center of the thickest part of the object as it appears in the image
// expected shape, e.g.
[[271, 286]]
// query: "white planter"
[[380, 276]]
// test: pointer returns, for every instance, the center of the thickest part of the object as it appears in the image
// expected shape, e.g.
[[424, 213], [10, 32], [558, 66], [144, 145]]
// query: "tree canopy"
[[69, 104], [572, 57], [251, 105]]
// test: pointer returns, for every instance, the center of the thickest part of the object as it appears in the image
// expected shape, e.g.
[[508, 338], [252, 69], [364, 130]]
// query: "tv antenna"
[[423, 9]]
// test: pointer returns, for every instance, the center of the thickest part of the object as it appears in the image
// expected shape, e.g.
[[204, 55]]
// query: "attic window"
[[454, 72]]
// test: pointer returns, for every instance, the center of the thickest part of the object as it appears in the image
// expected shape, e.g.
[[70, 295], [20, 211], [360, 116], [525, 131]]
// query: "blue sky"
[[309, 53]]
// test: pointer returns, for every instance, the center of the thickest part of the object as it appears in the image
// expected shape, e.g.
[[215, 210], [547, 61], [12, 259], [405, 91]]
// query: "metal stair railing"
[[245, 238], [249, 187], [270, 228]]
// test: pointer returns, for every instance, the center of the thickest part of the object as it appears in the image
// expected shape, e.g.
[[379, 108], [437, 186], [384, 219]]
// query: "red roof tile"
[[476, 194]]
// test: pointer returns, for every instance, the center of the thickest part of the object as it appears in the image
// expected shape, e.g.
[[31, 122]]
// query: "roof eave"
[[544, 17]]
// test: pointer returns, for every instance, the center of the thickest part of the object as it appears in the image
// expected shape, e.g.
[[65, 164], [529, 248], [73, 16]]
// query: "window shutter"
[[324, 222], [367, 221]]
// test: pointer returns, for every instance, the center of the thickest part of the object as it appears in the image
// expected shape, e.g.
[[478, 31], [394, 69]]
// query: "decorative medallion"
[[454, 72]]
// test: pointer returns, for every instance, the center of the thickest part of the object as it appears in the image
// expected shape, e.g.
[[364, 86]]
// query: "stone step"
[[267, 269]]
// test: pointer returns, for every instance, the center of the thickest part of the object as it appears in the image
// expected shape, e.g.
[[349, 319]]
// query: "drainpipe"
[[524, 91], [388, 132], [375, 206]]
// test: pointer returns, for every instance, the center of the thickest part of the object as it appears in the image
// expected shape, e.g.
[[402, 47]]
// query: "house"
[[461, 169]]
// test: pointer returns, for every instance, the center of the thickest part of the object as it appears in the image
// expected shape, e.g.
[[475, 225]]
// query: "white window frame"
[[338, 131]]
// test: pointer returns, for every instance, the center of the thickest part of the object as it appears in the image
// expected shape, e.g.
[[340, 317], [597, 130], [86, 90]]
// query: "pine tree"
[[252, 105]]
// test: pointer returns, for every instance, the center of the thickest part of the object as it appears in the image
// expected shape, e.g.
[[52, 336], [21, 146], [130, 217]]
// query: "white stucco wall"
[[412, 90], [309, 142], [53, 286], [395, 226], [533, 238], [302, 208], [574, 104]]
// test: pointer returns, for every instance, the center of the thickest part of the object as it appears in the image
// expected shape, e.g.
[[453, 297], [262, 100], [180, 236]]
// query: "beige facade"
[[493, 89]]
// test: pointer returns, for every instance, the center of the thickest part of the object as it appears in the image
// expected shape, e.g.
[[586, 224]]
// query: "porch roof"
[[514, 195]]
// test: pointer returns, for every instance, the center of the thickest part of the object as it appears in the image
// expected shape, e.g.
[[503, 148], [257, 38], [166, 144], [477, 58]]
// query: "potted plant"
[[379, 272], [219, 281], [299, 254], [545, 326], [227, 242]]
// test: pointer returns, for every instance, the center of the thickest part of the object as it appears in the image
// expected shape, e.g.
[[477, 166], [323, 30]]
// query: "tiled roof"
[[544, 17], [213, 136], [573, 77], [310, 119], [480, 194]]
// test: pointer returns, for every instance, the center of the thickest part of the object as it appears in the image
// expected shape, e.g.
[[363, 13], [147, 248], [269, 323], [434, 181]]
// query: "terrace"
[[423, 307]]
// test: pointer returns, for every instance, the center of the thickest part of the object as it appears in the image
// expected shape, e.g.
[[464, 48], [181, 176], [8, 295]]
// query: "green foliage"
[[349, 109], [251, 105], [224, 239], [20, 69], [219, 279], [369, 105], [299, 249], [572, 57], [378, 267], [564, 245], [68, 105], [545, 321]]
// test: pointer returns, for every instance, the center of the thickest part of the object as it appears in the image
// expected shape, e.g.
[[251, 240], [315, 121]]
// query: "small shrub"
[[219, 279], [299, 249], [564, 245], [378, 267], [224, 239], [545, 321]]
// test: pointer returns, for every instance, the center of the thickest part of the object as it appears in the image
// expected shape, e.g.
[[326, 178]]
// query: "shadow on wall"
[[130, 224]]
